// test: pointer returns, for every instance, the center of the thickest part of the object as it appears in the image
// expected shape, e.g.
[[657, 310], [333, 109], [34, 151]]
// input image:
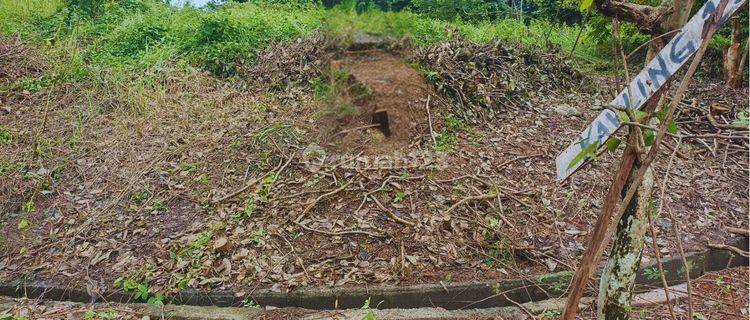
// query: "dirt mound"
[[368, 99], [485, 78], [388, 98]]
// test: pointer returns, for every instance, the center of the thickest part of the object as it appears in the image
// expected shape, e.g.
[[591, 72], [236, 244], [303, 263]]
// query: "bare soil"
[[396, 102]]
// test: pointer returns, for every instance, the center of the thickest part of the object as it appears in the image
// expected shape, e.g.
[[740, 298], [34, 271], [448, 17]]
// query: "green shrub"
[[126, 36], [600, 33], [136, 35], [222, 40], [85, 8], [452, 10], [397, 24], [219, 43]]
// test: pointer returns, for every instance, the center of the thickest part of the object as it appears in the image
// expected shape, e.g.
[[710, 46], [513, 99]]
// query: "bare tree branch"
[[648, 19]]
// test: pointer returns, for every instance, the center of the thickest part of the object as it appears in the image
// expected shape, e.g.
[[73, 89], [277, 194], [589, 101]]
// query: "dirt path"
[[396, 101]]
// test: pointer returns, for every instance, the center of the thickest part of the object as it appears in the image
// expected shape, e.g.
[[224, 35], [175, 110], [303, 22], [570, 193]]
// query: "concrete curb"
[[451, 296]]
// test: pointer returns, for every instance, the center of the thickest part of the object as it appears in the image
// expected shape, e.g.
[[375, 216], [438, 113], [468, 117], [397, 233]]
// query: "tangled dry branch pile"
[[16, 61], [485, 78], [717, 123], [283, 65]]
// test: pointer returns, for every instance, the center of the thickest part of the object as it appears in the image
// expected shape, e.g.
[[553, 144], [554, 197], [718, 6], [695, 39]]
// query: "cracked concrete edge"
[[183, 312], [450, 296], [177, 312]]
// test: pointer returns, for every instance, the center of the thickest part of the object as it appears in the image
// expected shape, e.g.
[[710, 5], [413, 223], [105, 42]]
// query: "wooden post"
[[591, 258]]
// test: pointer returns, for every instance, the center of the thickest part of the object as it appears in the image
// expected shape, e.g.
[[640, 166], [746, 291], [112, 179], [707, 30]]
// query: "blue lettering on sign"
[[597, 131], [626, 100], [585, 137], [642, 88], [710, 8], [638, 99], [612, 119], [603, 131], [662, 71], [708, 11], [669, 60], [679, 55]]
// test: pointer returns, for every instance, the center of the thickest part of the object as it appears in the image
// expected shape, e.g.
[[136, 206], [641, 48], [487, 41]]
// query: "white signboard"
[[642, 87]]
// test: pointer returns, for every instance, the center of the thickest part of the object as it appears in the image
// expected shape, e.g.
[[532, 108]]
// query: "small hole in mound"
[[380, 117]]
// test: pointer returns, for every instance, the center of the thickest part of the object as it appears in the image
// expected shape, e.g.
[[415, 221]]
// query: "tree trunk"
[[732, 71], [618, 278], [679, 16]]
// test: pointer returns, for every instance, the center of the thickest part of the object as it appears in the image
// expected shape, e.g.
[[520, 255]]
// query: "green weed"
[[5, 136], [448, 135], [100, 315], [140, 289], [202, 240], [10, 316], [250, 303], [23, 224], [7, 167], [249, 207], [370, 315], [652, 273], [258, 236], [140, 196], [501, 253], [28, 206], [399, 197], [338, 94]]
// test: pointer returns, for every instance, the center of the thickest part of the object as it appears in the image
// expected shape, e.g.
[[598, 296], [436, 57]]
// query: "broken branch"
[[391, 214], [729, 248], [471, 198]]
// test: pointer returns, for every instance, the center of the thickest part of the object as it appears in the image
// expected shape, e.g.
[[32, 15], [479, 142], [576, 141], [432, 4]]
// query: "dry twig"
[[470, 198], [744, 232], [314, 202], [675, 226], [390, 213], [662, 275], [729, 248], [277, 171], [429, 121], [340, 233]]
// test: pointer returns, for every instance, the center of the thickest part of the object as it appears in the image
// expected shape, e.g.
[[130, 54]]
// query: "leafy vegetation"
[[652, 273], [370, 315], [140, 289], [92, 38]]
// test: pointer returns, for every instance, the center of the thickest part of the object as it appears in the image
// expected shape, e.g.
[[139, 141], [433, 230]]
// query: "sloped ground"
[[190, 182]]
